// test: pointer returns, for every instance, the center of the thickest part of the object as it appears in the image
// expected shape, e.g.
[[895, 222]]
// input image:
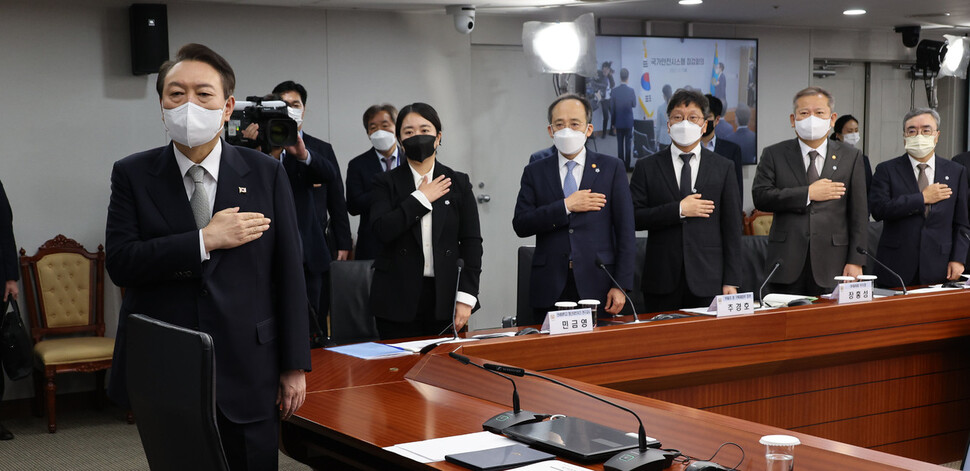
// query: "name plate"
[[727, 305], [858, 292], [567, 322]]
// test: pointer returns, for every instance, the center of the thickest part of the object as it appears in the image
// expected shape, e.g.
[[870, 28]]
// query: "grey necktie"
[[200, 199], [388, 161], [923, 182], [812, 169]]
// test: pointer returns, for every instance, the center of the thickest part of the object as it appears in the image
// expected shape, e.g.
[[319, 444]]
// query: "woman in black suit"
[[426, 217]]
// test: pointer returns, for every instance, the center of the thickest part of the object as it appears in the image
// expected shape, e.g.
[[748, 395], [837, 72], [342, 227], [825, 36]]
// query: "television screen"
[[656, 67]]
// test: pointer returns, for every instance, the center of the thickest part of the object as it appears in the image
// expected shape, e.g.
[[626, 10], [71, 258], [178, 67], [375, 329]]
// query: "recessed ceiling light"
[[690, 2], [854, 12]]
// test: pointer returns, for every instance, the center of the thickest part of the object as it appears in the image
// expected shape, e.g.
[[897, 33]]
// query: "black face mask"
[[710, 128], [419, 146]]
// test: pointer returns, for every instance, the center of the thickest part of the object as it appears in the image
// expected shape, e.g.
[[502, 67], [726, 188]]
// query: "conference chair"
[[64, 290], [754, 253], [758, 223], [350, 317], [172, 390]]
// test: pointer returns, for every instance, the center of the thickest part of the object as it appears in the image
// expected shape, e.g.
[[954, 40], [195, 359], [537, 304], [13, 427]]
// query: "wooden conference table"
[[873, 386]]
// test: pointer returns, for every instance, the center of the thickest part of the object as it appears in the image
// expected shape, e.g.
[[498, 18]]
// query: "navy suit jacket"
[[329, 199], [361, 172], [9, 261], [624, 100], [745, 138], [732, 152], [606, 234], [541, 154], [305, 179], [708, 250], [251, 299], [964, 159], [909, 240], [399, 266]]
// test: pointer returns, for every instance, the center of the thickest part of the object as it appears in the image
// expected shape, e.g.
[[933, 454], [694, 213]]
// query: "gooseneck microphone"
[[454, 315], [761, 291], [642, 458], [602, 265], [506, 419], [890, 270]]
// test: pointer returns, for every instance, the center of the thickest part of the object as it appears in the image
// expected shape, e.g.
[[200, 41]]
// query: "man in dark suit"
[[686, 197], [578, 206], [383, 156], [722, 147], [744, 137], [924, 234], [543, 153], [623, 101], [9, 274], [964, 159], [816, 189], [204, 235]]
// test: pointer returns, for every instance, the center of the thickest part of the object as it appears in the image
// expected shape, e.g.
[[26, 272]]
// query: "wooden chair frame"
[[39, 327]]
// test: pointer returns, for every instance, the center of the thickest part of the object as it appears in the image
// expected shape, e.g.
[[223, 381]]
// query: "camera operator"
[[307, 170]]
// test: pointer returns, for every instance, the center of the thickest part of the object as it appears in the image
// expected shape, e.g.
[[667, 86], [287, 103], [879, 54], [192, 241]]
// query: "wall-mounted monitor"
[[658, 66]]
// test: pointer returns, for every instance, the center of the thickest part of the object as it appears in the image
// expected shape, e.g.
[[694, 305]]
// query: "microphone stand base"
[[507, 419], [650, 459]]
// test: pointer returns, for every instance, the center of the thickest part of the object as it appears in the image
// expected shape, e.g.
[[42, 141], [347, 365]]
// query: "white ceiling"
[[882, 14]]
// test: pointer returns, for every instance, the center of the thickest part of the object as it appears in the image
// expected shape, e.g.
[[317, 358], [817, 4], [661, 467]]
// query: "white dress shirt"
[[819, 164], [694, 163], [210, 180], [930, 168], [580, 159], [426, 247]]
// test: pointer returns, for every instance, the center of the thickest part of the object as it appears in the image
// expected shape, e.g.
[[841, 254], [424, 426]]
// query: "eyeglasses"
[[925, 130], [575, 126], [694, 118]]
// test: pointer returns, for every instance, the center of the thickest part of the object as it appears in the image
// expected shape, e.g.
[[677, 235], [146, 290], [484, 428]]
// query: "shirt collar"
[[417, 177], [579, 159], [380, 156], [675, 152], [823, 148], [210, 163], [929, 162]]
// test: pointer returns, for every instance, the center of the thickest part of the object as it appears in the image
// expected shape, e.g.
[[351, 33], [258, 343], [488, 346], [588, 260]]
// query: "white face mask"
[[920, 146], [382, 140], [685, 133], [812, 128], [296, 114], [192, 125], [569, 141], [851, 138]]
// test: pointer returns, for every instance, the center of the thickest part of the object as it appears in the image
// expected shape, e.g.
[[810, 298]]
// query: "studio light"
[[947, 58], [562, 47], [956, 58]]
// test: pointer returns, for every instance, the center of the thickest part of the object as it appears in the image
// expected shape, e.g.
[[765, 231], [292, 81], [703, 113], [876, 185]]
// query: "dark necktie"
[[923, 182], [685, 187], [812, 169]]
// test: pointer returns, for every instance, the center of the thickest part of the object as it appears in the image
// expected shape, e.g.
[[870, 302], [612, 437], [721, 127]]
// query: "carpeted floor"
[[85, 440]]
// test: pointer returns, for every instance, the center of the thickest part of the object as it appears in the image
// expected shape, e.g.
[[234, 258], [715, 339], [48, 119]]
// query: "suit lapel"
[[404, 182], [439, 215], [590, 171], [941, 175], [907, 175], [831, 162], [667, 169], [794, 158], [552, 175], [704, 172], [168, 192], [231, 189]]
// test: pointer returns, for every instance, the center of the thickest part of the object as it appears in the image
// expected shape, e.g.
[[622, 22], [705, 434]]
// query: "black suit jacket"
[[964, 159], [825, 233], [910, 240], [543, 153], [707, 250], [329, 199], [732, 152], [398, 268], [9, 261], [305, 179], [361, 172], [251, 299]]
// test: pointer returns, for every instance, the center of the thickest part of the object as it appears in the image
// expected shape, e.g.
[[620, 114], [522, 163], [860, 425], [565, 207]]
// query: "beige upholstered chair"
[[758, 223], [64, 289]]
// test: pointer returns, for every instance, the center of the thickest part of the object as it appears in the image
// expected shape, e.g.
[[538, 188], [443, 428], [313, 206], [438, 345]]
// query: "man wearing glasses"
[[577, 204], [816, 188], [922, 198], [688, 198]]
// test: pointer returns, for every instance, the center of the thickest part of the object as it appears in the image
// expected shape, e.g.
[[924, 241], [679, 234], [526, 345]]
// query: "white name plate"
[[858, 292], [727, 305], [567, 322]]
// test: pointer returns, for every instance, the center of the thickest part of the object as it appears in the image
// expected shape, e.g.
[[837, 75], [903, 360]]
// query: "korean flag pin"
[[596, 169], [946, 177], [834, 168], [242, 189], [447, 202]]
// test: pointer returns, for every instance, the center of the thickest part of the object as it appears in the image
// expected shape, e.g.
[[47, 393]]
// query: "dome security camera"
[[464, 17]]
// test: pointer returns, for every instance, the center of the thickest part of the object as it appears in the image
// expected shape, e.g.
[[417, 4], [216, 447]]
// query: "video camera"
[[276, 128]]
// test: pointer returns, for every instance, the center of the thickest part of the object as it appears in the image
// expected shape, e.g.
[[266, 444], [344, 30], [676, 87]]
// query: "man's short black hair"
[[717, 108], [291, 86], [624, 74], [423, 110], [571, 96], [199, 53], [687, 98]]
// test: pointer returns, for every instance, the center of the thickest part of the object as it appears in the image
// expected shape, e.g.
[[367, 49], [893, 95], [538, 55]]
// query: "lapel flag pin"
[[447, 202], [834, 168], [594, 165], [947, 177], [833, 156], [242, 189]]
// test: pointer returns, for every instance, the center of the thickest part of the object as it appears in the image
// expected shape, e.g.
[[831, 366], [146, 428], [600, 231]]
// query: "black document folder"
[[495, 459]]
